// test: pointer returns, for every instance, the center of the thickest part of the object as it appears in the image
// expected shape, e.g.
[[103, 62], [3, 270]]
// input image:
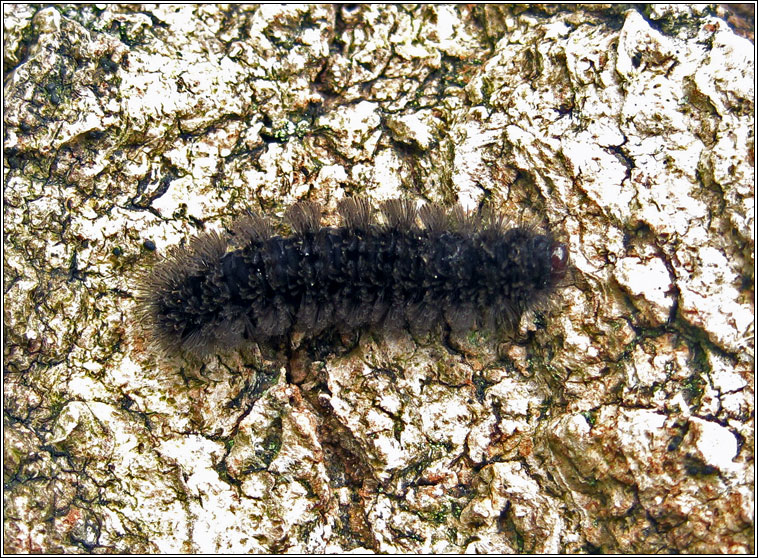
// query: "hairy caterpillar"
[[465, 269]]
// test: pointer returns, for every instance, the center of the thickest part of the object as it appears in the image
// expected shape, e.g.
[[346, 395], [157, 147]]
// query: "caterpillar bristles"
[[457, 268], [434, 218], [356, 213], [252, 228], [304, 217], [399, 214]]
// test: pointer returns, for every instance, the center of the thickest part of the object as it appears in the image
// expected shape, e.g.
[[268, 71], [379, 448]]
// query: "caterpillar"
[[457, 268]]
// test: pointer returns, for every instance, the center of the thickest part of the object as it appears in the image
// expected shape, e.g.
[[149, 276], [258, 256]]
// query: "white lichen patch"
[[711, 300], [362, 413], [96, 431], [356, 126], [651, 280], [715, 444], [445, 417], [417, 128], [213, 504], [724, 375], [470, 171], [533, 513], [602, 174], [386, 176]]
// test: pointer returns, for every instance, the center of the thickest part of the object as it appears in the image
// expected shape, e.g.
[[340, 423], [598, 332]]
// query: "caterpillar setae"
[[462, 269]]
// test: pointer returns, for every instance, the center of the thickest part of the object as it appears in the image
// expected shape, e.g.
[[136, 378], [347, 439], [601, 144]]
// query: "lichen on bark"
[[620, 419]]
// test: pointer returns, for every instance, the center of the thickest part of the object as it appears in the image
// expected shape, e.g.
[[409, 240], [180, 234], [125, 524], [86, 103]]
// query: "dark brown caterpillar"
[[462, 269]]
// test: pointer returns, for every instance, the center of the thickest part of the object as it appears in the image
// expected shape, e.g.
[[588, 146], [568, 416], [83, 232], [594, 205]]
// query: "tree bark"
[[619, 419]]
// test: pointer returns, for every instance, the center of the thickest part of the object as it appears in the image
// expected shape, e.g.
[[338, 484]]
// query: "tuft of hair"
[[304, 217], [356, 213], [464, 222], [207, 249], [423, 316], [252, 228], [489, 219], [399, 214], [434, 218], [153, 288], [461, 317]]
